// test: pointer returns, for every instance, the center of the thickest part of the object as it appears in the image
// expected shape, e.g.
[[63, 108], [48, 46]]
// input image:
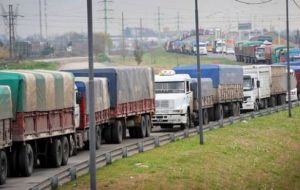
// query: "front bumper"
[[160, 119], [247, 106]]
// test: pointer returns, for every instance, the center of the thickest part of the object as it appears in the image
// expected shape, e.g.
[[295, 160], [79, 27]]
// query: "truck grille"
[[162, 103]]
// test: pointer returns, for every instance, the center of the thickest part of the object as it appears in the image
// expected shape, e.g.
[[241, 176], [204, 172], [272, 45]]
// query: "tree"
[[100, 41], [138, 54]]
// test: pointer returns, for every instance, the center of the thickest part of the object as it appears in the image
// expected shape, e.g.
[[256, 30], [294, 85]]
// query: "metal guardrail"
[[108, 157]]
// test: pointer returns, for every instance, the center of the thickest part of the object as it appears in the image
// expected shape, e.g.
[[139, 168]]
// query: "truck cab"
[[256, 87], [174, 100]]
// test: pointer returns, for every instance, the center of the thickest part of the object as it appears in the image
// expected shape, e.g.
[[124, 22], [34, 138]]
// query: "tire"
[[65, 151], [238, 109], [98, 137], [256, 107], [132, 132], [107, 134], [187, 125], [141, 130], [13, 163], [3, 167], [148, 126], [233, 109], [205, 117], [117, 132], [25, 160], [273, 102], [266, 104], [219, 114], [56, 153], [73, 149]]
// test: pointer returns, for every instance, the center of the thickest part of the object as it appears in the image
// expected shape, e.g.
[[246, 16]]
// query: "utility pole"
[[46, 19], [200, 116], [141, 32], [10, 18], [40, 15], [178, 22], [159, 25], [123, 38], [106, 18], [92, 136], [288, 58], [11, 31]]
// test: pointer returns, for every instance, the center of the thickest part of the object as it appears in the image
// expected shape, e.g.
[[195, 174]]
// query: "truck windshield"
[[248, 84], [169, 87], [260, 50]]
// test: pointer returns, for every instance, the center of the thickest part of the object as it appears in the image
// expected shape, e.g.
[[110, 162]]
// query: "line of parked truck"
[[44, 114], [264, 52], [226, 90], [189, 46]]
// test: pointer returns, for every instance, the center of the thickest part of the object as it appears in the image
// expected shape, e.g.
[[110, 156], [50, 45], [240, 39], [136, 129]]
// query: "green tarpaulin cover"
[[5, 103], [38, 90]]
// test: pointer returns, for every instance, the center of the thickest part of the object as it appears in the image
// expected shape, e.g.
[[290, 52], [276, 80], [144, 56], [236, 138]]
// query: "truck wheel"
[[117, 132], [205, 117], [65, 151], [107, 134], [73, 149], [98, 137], [141, 130], [148, 126], [13, 163], [26, 160], [273, 101], [3, 167], [238, 109], [256, 107], [132, 132], [219, 114], [56, 152], [188, 121], [266, 104]]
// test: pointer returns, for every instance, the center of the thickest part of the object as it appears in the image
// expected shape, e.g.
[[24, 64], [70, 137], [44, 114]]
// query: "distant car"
[[229, 51]]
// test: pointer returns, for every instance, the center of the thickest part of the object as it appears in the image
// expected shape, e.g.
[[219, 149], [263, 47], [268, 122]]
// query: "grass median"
[[260, 153]]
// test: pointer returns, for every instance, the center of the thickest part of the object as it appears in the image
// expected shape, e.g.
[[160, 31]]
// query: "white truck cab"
[[257, 86], [174, 100]]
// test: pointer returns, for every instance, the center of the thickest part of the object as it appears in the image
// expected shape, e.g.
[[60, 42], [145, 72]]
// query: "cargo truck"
[[296, 70], [102, 109], [249, 51], [131, 100], [264, 86], [176, 100], [257, 87], [227, 83], [6, 116], [43, 119]]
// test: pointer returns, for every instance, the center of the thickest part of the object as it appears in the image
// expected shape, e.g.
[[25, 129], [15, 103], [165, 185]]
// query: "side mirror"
[[258, 84]]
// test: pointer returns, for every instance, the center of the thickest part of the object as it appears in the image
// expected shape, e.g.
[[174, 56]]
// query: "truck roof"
[[172, 78]]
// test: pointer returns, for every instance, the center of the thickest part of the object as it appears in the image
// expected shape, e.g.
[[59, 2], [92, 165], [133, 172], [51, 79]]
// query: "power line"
[[254, 3], [297, 5]]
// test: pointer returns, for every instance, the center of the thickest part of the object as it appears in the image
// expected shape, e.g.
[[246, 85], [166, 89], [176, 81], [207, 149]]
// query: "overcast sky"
[[70, 15]]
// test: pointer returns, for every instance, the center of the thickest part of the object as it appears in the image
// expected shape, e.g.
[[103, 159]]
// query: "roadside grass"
[[160, 59], [28, 64], [260, 153]]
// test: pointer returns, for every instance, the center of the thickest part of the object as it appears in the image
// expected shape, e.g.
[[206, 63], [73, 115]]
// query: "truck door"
[[189, 94]]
